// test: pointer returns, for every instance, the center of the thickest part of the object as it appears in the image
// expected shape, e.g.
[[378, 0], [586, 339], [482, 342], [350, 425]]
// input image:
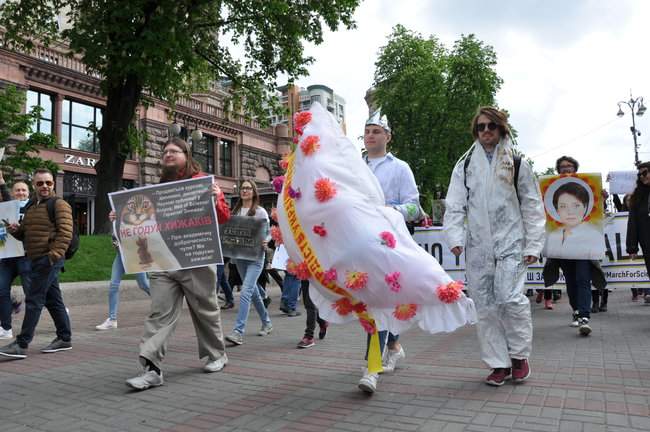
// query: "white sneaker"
[[6, 334], [584, 329], [368, 383], [391, 359], [109, 324], [574, 320], [266, 330], [148, 379], [216, 365]]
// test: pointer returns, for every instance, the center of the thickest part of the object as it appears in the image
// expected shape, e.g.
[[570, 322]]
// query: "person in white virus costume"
[[495, 214], [355, 250]]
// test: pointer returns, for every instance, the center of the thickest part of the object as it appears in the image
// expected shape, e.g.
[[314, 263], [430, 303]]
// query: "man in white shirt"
[[401, 193]]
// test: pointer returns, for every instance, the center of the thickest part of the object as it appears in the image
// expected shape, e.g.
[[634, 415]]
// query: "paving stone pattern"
[[599, 383]]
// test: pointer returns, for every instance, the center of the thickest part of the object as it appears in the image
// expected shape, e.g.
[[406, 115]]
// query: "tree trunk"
[[122, 99]]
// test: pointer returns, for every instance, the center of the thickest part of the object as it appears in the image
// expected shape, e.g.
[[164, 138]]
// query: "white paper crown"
[[378, 120]]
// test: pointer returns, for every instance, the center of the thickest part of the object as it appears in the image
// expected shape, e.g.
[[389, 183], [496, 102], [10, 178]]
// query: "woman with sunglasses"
[[638, 221], [248, 205]]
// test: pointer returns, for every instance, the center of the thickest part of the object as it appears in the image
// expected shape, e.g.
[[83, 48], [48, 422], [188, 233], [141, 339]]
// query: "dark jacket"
[[40, 236], [638, 222]]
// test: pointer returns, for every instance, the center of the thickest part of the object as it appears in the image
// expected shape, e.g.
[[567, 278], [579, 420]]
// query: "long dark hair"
[[641, 190], [254, 204], [494, 114]]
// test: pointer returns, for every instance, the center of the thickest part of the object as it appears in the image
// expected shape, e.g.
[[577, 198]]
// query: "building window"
[[43, 100], [80, 124], [225, 157], [203, 153]]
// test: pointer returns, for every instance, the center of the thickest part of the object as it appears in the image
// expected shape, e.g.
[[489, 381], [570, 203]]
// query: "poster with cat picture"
[[166, 227], [9, 246]]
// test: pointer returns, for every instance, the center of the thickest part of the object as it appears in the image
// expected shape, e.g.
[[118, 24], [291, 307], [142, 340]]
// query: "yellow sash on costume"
[[317, 271]]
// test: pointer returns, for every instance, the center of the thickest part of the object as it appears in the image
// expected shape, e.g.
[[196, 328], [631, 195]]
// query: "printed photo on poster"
[[574, 216], [165, 227], [242, 237], [9, 214]]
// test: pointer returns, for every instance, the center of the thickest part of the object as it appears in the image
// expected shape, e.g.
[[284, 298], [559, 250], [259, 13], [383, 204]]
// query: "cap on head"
[[378, 120]]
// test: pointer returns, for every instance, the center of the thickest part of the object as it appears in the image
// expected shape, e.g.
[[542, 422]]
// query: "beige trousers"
[[197, 285]]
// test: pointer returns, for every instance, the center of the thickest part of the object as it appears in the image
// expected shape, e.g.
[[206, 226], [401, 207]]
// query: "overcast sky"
[[565, 65]]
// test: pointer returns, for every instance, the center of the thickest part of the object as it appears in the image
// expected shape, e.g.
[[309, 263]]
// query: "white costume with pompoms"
[[356, 251]]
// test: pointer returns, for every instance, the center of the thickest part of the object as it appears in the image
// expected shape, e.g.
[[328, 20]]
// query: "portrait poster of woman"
[[574, 216]]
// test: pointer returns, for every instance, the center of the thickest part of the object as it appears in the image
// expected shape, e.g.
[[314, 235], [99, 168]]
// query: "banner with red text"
[[169, 226]]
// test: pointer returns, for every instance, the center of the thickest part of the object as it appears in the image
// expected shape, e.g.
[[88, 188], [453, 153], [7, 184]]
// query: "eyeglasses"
[[172, 152], [47, 182], [245, 188], [481, 126], [642, 173]]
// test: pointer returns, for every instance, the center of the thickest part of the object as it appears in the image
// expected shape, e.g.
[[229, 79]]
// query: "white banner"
[[9, 214], [619, 270]]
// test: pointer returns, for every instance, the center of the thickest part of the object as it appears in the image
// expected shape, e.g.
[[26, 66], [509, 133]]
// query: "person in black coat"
[[638, 222]]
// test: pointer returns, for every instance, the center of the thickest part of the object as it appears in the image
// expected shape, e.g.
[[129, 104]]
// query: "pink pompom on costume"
[[364, 265]]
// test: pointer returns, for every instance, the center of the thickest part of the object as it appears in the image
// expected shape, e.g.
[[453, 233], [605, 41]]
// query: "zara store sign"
[[80, 161]]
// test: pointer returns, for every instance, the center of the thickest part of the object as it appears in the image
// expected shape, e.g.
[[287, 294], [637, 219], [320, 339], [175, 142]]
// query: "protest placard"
[[621, 182], [169, 226], [9, 246], [242, 237], [574, 216]]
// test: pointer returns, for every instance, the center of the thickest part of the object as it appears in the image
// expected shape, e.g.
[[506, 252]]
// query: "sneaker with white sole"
[[14, 351], [6, 334], [368, 382], [574, 319], [147, 379], [109, 324], [216, 365], [392, 357], [265, 330], [583, 327], [235, 337], [57, 345]]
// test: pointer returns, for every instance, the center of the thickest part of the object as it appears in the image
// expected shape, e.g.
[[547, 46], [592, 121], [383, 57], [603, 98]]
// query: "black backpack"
[[73, 247]]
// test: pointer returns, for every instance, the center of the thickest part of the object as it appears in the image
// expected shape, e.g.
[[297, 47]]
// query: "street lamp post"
[[640, 109]]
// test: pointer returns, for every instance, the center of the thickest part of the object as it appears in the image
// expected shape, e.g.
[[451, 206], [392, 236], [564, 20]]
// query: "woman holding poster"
[[574, 227], [250, 270]]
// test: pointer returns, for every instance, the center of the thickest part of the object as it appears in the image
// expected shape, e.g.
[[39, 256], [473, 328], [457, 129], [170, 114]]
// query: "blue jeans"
[[44, 291], [114, 289], [249, 272], [291, 288], [577, 274], [222, 282], [9, 269]]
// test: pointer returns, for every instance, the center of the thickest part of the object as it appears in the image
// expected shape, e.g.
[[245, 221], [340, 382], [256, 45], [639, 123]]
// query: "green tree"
[[23, 157], [430, 94], [166, 48]]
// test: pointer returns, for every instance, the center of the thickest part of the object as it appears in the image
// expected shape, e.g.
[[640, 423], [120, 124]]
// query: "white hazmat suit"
[[497, 226]]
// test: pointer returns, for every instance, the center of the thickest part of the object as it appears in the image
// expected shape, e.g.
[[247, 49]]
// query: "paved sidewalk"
[[600, 383]]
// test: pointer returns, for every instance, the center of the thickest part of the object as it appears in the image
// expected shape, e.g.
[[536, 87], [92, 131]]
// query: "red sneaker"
[[498, 376], [548, 304], [520, 370], [540, 297], [323, 330]]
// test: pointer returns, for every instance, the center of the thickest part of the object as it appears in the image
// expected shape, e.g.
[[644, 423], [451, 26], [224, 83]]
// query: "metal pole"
[[633, 129]]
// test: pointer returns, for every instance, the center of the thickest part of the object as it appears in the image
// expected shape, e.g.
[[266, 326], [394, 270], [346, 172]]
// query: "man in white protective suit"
[[495, 213]]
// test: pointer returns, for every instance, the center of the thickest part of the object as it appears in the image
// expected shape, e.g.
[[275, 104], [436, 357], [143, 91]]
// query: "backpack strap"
[[465, 166], [517, 163], [51, 209]]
